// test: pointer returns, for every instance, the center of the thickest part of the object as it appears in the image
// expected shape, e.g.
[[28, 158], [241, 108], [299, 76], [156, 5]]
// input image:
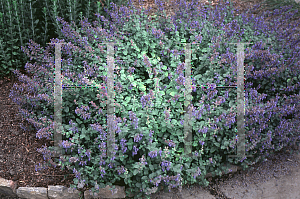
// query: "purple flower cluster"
[[166, 164], [132, 117], [123, 144], [82, 110], [145, 99], [198, 173], [167, 179]]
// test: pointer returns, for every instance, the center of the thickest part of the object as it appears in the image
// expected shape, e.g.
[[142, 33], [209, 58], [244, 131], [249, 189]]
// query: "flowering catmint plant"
[[149, 82]]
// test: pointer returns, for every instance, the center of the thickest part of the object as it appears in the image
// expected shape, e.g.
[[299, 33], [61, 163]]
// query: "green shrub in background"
[[147, 113], [22, 20]]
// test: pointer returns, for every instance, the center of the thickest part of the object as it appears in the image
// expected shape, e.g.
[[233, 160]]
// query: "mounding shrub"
[[149, 99]]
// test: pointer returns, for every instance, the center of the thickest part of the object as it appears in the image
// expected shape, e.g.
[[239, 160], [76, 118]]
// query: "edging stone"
[[32, 192], [106, 193], [8, 187], [61, 192]]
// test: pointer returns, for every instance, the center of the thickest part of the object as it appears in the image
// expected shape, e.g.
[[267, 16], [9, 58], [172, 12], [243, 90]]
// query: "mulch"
[[18, 151]]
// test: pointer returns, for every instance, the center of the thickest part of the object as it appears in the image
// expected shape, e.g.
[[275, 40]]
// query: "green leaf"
[[144, 178], [198, 77], [186, 103], [141, 54], [133, 84], [204, 50], [180, 150], [173, 94], [161, 93], [82, 135], [152, 175], [142, 87], [67, 109], [75, 181], [135, 172], [128, 107], [177, 169], [151, 167], [181, 99], [78, 121], [217, 144], [189, 97], [130, 77], [136, 166], [127, 99], [163, 129]]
